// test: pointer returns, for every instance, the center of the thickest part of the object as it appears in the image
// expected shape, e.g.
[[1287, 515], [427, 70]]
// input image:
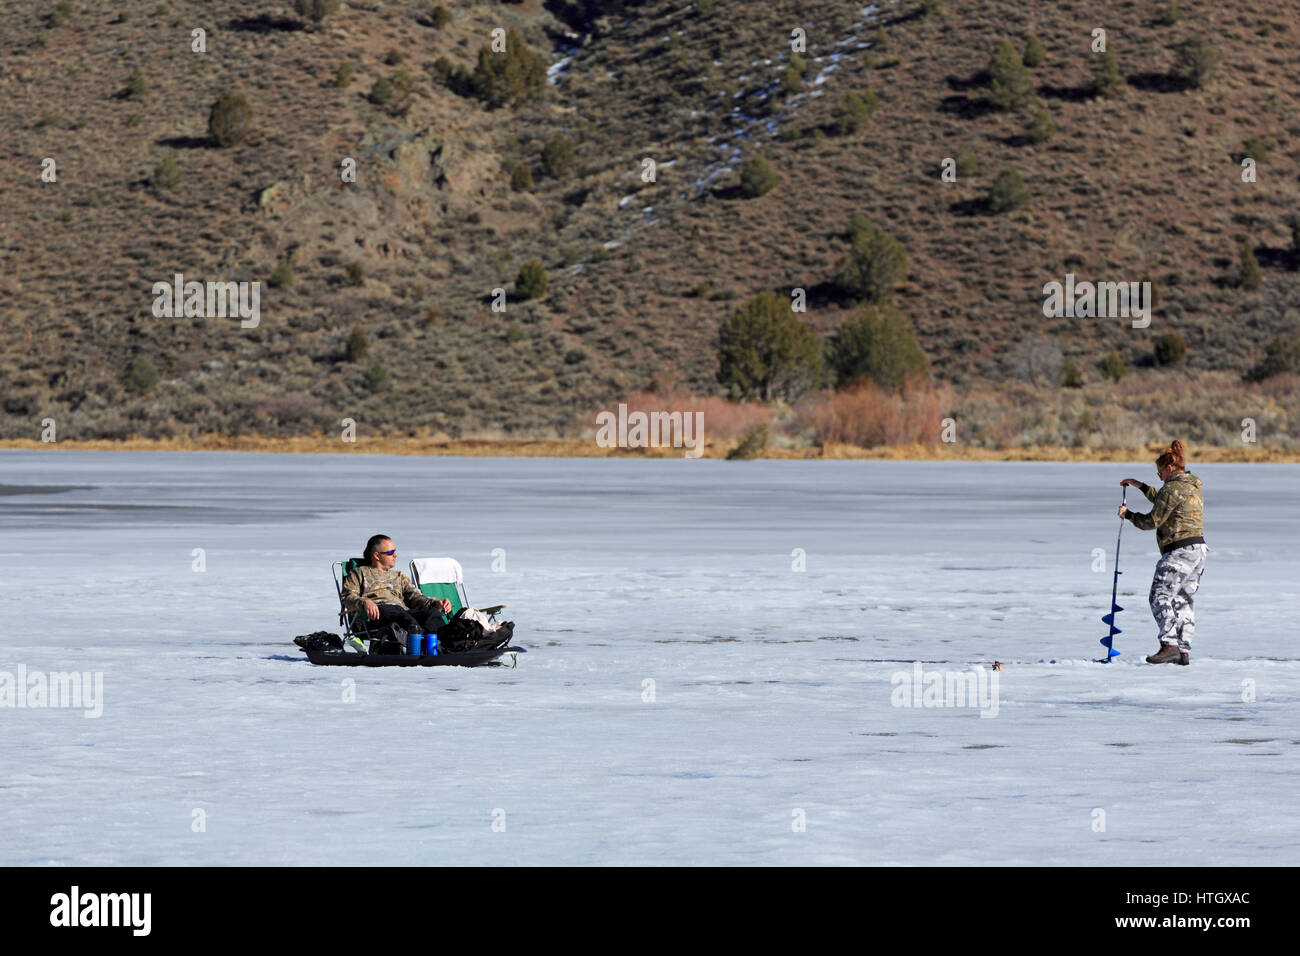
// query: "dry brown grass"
[[868, 416], [580, 448], [724, 420]]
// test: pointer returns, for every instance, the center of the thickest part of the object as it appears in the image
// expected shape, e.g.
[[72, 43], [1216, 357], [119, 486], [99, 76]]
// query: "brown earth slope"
[[1143, 183]]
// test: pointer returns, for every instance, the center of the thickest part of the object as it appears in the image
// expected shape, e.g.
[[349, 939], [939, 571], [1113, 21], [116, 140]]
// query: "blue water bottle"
[[431, 644], [415, 644]]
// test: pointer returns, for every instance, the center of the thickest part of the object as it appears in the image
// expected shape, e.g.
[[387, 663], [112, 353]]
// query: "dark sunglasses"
[[389, 553]]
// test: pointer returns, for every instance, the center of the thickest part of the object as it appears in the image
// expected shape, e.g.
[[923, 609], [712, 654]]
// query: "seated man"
[[387, 596]]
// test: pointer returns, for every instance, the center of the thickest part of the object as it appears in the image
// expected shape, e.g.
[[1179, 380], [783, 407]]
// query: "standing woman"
[[1178, 517]]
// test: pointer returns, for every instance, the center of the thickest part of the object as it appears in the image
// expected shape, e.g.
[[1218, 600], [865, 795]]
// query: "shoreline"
[[586, 448]]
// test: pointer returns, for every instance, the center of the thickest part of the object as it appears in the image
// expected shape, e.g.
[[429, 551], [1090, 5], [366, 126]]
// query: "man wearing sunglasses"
[[386, 595]]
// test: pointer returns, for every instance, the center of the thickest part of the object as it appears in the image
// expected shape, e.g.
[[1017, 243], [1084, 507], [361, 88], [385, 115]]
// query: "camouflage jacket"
[[1177, 513], [382, 587]]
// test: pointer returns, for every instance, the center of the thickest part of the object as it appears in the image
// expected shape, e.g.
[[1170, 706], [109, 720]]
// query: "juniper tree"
[[1010, 87], [875, 264], [766, 352], [879, 344], [1195, 61]]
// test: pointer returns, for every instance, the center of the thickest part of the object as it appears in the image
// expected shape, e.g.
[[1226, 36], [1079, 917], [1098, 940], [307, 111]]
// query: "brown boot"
[[1168, 654]]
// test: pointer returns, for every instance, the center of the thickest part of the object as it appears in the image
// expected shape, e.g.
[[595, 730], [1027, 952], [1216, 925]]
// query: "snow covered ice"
[[769, 734]]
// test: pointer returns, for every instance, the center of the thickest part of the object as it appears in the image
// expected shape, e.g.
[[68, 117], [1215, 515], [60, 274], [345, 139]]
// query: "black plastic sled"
[[464, 659]]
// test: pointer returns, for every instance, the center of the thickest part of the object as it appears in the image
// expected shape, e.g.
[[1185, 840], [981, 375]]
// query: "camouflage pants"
[[1173, 589]]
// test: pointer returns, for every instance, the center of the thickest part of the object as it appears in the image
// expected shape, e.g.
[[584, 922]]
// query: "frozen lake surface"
[[689, 695]]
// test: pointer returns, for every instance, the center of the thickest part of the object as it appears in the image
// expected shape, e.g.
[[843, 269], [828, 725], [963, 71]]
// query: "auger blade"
[[1110, 619]]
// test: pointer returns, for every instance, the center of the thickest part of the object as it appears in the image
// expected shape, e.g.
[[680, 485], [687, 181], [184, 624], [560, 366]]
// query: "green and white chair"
[[443, 578]]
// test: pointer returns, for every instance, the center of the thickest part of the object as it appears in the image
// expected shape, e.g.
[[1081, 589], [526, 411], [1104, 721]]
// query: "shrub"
[[967, 164], [880, 42], [521, 178], [514, 333], [1105, 73], [440, 17], [393, 57], [1155, 289], [403, 85], [375, 379], [282, 277], [704, 7], [1248, 274], [1071, 376], [1010, 87], [1256, 149], [766, 352], [515, 76], [136, 86], [1036, 360], [867, 415], [381, 91], [791, 80], [1007, 192], [854, 111], [290, 413], [532, 281], [356, 345], [230, 120], [751, 446], [1281, 355], [62, 10], [1195, 61], [141, 375], [1169, 14], [442, 69], [724, 419], [315, 10], [557, 156], [1040, 128], [877, 344], [1112, 366], [356, 274], [1034, 53], [875, 264], [167, 174], [929, 7], [343, 78], [1170, 349], [757, 177]]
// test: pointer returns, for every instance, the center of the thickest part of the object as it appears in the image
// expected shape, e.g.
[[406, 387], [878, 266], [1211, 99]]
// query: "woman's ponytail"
[[1173, 455]]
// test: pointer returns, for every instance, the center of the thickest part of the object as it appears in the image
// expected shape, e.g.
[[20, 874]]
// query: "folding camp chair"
[[442, 578], [357, 623]]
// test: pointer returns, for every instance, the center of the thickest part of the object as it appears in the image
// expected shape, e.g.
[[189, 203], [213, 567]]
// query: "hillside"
[[1142, 183]]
